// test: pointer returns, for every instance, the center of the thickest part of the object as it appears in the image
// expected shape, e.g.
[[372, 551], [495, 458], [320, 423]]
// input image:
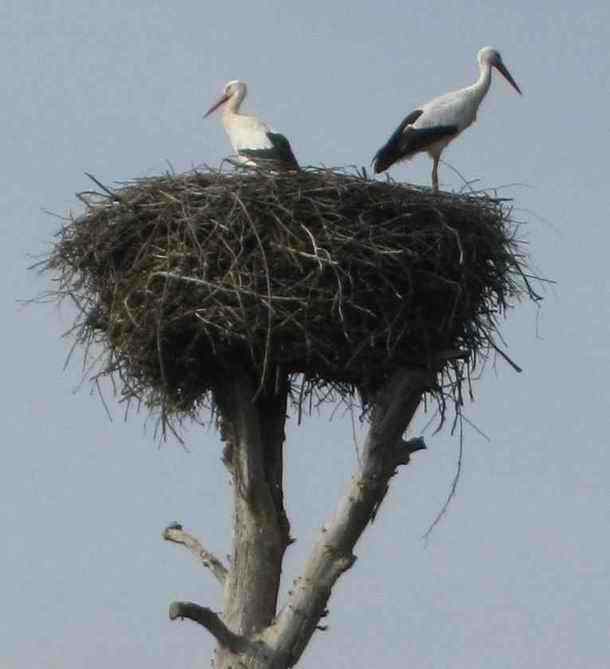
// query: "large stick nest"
[[330, 275]]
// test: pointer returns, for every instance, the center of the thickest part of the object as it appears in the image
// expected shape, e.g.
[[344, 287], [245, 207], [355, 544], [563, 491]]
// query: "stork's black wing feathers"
[[279, 155], [388, 153], [283, 148], [406, 141]]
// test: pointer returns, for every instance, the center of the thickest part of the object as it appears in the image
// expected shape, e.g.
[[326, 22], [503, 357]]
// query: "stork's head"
[[490, 56], [236, 87], [235, 91]]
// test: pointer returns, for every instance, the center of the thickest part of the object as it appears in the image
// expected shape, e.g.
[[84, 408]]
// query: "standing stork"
[[254, 142], [431, 127]]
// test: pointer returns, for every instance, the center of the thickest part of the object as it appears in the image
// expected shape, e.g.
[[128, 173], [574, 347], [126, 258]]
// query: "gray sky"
[[518, 574]]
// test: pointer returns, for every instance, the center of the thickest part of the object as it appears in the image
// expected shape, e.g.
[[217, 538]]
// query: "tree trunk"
[[253, 430], [251, 634]]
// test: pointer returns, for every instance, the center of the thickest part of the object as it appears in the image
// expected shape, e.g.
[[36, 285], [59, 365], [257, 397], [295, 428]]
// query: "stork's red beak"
[[506, 74], [215, 106]]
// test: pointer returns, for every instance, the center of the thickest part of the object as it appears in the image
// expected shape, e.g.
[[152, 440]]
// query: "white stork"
[[254, 142], [431, 127]]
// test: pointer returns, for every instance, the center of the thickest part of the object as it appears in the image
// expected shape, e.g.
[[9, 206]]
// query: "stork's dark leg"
[[435, 175]]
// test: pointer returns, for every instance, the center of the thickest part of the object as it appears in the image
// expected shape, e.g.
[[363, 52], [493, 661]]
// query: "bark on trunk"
[[254, 434]]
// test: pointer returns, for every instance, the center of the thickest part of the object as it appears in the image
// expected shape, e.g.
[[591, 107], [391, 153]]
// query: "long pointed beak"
[[215, 106], [506, 74]]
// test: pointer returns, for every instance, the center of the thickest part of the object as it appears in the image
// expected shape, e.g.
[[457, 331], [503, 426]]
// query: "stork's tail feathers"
[[277, 156], [407, 141], [383, 159]]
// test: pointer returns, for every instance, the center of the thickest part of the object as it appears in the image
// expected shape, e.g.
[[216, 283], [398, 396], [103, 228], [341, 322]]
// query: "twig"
[[454, 484], [500, 352], [215, 286], [114, 196], [263, 373]]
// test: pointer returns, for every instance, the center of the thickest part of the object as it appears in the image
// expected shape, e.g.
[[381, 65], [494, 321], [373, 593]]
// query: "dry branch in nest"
[[321, 273]]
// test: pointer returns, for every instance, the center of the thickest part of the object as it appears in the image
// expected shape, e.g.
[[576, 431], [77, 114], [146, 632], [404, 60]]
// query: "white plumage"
[[254, 142], [434, 125]]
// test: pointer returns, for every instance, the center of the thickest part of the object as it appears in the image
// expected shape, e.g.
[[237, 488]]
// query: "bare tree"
[[225, 291], [252, 632]]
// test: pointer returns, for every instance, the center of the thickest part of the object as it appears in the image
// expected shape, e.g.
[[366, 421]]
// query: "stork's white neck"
[[234, 102], [480, 88]]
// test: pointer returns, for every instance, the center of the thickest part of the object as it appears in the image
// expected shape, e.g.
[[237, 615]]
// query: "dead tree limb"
[[177, 535], [384, 450], [211, 621]]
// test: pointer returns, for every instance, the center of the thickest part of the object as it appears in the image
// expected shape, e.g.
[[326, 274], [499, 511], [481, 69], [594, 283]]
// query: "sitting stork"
[[431, 127], [255, 143]]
